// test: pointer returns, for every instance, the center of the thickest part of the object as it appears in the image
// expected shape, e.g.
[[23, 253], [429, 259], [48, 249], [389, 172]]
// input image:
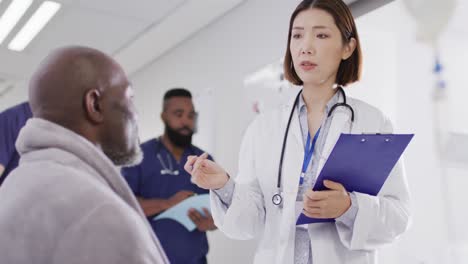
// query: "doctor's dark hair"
[[350, 69], [175, 92]]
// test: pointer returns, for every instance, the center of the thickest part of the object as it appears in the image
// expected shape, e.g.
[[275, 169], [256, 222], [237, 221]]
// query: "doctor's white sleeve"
[[379, 219], [241, 216]]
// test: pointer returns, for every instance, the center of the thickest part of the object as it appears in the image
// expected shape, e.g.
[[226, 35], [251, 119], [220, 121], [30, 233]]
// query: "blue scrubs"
[[11, 122], [147, 181]]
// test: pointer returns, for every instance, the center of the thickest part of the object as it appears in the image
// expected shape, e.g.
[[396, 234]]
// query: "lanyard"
[[308, 153]]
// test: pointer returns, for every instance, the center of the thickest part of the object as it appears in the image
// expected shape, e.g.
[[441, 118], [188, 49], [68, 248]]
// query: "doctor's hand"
[[205, 173], [327, 204], [203, 222]]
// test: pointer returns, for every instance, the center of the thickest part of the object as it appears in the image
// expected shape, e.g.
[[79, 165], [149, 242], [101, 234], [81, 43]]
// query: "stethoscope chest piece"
[[277, 199]]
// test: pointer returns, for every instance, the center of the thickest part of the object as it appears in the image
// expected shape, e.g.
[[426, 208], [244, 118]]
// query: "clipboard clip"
[[363, 140], [379, 134]]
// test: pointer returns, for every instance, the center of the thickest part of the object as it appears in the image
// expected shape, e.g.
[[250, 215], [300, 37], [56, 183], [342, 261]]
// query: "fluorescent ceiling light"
[[34, 25], [12, 15]]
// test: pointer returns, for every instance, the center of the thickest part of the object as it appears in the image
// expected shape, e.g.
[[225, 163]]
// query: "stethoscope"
[[277, 198], [166, 170]]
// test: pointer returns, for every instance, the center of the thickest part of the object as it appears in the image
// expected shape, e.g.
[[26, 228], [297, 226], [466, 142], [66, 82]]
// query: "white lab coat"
[[379, 220]]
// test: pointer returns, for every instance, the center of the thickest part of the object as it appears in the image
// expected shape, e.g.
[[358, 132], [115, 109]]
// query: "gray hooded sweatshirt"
[[68, 203]]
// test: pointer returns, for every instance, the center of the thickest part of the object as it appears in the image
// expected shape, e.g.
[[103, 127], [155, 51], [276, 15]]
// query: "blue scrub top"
[[11, 122], [146, 181]]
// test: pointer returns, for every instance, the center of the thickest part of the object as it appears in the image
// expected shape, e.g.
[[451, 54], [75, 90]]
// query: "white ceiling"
[[104, 24], [189, 18], [113, 26]]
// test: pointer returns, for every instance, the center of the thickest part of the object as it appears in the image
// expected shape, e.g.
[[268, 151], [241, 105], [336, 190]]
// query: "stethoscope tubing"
[[277, 198]]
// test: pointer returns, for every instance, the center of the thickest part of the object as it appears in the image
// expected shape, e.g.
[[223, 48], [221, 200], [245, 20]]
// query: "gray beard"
[[121, 159]]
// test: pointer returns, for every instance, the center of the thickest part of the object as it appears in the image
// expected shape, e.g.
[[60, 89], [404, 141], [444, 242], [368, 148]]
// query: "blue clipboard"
[[361, 163]]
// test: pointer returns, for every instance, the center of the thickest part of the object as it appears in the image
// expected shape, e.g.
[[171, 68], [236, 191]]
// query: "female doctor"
[[283, 152]]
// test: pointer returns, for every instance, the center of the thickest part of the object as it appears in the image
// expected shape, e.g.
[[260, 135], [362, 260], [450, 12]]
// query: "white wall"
[[15, 96], [427, 239], [455, 179]]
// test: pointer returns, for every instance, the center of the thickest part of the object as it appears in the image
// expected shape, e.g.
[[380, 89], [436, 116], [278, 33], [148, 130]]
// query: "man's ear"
[[93, 106]]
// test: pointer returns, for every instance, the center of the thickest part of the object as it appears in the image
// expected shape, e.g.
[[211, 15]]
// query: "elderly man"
[[67, 202]]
